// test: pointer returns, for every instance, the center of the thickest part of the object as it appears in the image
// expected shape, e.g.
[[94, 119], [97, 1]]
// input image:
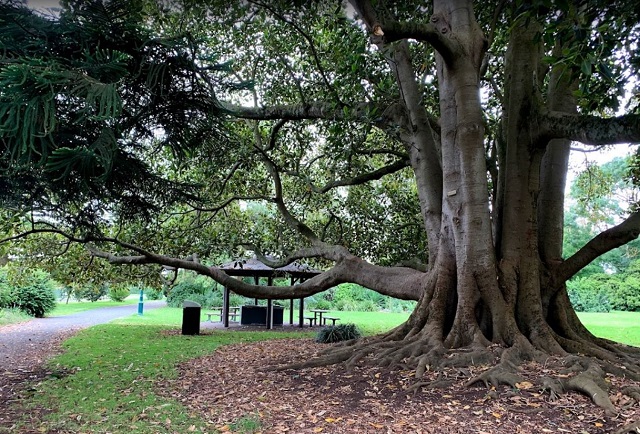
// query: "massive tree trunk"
[[494, 290], [493, 275]]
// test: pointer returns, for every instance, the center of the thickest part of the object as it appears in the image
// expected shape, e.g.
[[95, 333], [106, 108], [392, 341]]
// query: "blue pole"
[[140, 303]]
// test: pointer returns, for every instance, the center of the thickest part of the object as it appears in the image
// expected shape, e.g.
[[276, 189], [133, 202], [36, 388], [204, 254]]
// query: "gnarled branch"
[[591, 130]]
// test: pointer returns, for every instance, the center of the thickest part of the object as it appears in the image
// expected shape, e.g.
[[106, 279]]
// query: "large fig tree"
[[419, 149]]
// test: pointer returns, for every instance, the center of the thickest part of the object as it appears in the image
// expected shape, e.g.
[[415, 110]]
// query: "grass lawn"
[[63, 308], [618, 326], [114, 367]]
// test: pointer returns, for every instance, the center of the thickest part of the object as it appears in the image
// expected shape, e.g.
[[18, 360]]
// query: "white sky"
[[43, 3]]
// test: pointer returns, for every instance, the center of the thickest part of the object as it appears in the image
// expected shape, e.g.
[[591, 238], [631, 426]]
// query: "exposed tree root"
[[632, 392], [422, 352], [503, 373], [633, 428]]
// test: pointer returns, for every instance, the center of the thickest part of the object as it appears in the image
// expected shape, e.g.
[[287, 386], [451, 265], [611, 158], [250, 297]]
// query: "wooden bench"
[[311, 319], [332, 318]]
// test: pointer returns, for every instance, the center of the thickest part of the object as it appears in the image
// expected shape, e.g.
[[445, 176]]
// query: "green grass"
[[104, 382], [63, 308], [618, 326], [112, 371], [12, 316]]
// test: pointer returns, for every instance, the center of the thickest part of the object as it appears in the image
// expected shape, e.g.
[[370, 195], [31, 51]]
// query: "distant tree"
[[601, 197]]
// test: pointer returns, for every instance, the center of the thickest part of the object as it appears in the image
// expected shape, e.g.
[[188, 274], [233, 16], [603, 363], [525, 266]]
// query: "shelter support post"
[[225, 307]]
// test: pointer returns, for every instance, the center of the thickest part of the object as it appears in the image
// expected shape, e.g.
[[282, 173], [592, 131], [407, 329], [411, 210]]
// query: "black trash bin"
[[190, 318]]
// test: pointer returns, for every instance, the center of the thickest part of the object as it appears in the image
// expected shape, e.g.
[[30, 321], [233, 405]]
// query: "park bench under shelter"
[[256, 269]]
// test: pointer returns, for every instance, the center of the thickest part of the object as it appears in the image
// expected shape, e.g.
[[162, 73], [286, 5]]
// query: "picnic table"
[[317, 315], [234, 313]]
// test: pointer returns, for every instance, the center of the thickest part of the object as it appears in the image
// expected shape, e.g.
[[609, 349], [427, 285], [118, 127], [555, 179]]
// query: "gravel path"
[[25, 344], [24, 348]]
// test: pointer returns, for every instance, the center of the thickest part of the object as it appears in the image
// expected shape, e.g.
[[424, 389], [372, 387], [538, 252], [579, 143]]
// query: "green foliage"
[[349, 296], [627, 295], [603, 292], [602, 196], [61, 108], [591, 294], [188, 289], [153, 293], [338, 333], [203, 291], [118, 292], [35, 294], [91, 291], [6, 293], [323, 304]]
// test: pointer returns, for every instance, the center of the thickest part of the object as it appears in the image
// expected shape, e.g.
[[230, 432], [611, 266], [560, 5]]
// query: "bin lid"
[[189, 303]]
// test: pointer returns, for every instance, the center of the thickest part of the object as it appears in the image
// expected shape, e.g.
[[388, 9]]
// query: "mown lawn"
[[104, 381], [618, 326], [63, 308]]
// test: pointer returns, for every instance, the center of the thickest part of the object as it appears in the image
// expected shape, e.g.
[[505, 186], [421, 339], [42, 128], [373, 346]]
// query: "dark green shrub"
[[592, 293], [323, 304], [338, 333], [35, 296], [91, 292], [187, 289], [626, 295], [119, 293], [153, 293]]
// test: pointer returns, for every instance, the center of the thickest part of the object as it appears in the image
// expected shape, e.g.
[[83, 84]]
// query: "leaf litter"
[[238, 380]]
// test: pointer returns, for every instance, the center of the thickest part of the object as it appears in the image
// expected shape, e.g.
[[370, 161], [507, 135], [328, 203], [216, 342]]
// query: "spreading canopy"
[[417, 148]]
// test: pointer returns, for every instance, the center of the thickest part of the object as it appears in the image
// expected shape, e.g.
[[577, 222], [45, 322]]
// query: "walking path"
[[25, 344]]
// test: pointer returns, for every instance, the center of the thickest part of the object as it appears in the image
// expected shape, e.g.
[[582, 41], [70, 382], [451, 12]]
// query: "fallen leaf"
[[524, 385]]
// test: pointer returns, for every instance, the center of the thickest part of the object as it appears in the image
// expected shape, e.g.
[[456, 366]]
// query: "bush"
[[592, 293], [187, 289], [36, 295], [323, 304], [626, 295], [342, 332], [153, 293], [91, 292], [119, 293]]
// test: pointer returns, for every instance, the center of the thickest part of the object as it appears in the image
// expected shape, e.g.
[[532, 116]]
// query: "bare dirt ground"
[[236, 382]]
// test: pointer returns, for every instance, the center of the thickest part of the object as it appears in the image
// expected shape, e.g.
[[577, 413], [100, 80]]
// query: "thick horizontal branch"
[[403, 283], [604, 242], [315, 110], [360, 179], [591, 130], [310, 287]]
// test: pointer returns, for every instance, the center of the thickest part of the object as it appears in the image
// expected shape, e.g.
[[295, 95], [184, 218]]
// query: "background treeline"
[[603, 292]]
